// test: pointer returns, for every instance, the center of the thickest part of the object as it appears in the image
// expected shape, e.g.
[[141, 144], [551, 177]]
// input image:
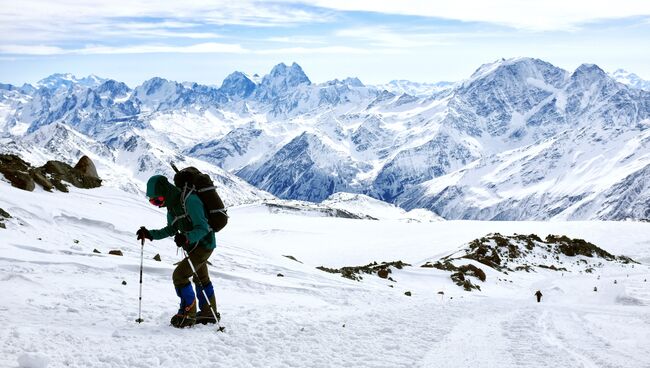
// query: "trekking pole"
[[140, 320], [205, 295]]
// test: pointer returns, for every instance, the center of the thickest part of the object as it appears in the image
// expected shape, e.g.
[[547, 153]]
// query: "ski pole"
[[140, 320], [205, 295]]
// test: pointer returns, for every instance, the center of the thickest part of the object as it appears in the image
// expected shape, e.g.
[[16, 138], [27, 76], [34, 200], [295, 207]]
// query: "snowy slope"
[[300, 140], [414, 88], [362, 204], [631, 79], [128, 162], [64, 305], [573, 175]]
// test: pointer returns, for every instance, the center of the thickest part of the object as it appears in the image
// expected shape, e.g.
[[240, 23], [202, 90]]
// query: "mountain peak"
[[293, 75], [630, 79], [281, 80], [67, 80], [590, 70], [238, 84], [520, 63]]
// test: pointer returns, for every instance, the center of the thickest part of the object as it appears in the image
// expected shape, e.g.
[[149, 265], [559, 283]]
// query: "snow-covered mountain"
[[479, 148], [631, 79], [367, 206], [414, 88]]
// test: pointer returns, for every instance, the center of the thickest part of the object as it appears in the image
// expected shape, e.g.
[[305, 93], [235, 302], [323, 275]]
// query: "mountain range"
[[520, 139]]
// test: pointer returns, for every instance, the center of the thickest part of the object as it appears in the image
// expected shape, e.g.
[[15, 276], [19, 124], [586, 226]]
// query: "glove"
[[143, 233], [181, 241]]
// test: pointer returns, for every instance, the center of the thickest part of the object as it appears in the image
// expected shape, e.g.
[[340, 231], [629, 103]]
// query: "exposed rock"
[[123, 282], [522, 253], [86, 167], [354, 272], [552, 267], [96, 251], [280, 275], [20, 179], [116, 252], [460, 273], [293, 258], [23, 176], [157, 257], [4, 213], [40, 179], [408, 293], [64, 172], [576, 247], [383, 273]]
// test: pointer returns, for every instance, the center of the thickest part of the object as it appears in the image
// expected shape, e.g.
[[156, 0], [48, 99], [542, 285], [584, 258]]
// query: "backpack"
[[190, 180]]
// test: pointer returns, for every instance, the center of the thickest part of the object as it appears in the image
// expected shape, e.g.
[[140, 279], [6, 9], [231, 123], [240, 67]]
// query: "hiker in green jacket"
[[187, 223]]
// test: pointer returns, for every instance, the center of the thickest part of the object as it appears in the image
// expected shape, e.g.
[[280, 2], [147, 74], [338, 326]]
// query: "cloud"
[[548, 15], [87, 19], [31, 50], [298, 40], [201, 48], [388, 38], [317, 50]]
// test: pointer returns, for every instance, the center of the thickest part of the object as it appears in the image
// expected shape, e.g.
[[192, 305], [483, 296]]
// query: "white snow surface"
[[64, 306], [364, 205]]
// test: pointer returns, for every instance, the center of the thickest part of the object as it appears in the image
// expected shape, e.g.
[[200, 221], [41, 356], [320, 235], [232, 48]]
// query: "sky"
[[377, 41]]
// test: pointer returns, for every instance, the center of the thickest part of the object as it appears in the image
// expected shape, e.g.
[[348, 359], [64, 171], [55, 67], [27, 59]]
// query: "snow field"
[[65, 306]]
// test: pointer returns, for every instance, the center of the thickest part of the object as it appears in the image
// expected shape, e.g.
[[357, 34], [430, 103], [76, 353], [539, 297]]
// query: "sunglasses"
[[157, 201]]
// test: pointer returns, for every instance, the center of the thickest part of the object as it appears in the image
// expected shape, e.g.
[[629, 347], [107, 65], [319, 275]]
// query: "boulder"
[[20, 179], [157, 257], [39, 177], [86, 167], [116, 252], [4, 213]]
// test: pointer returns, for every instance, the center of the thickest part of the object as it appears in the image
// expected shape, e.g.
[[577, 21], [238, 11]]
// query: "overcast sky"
[[377, 41]]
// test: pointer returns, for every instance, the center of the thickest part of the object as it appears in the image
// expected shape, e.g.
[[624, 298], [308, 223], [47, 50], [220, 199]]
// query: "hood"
[[158, 185]]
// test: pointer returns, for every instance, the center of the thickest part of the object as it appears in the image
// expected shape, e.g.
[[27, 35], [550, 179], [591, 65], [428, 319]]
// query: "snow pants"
[[199, 257]]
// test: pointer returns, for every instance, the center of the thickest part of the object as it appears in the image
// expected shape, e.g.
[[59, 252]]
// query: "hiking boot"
[[186, 317], [205, 315]]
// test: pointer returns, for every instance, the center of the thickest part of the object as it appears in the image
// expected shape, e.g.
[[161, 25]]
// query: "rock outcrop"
[[527, 253], [50, 176]]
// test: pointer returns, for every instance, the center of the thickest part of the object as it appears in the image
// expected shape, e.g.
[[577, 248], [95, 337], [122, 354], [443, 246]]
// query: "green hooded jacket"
[[194, 225]]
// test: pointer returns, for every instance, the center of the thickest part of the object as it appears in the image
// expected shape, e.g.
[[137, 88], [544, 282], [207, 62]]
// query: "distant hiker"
[[595, 288], [187, 223], [615, 282], [538, 294]]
